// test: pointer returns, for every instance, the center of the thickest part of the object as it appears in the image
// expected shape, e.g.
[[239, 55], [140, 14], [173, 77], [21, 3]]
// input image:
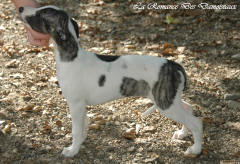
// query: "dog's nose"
[[21, 9]]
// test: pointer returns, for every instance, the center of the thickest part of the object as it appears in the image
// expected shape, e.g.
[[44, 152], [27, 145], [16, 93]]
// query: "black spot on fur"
[[132, 87], [101, 80], [165, 89], [107, 58]]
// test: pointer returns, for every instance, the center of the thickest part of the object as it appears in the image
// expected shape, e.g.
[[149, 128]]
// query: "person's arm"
[[35, 38], [19, 3]]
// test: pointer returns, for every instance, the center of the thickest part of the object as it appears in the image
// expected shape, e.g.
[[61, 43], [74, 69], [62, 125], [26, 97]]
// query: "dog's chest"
[[70, 76]]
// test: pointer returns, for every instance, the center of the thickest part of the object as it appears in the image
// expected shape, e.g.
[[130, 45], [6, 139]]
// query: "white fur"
[[78, 80]]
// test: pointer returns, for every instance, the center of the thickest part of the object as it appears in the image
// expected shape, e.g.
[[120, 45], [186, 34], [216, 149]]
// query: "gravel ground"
[[35, 123]]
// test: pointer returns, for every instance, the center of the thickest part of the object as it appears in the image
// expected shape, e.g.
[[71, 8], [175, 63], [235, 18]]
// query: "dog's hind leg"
[[79, 128], [180, 134], [177, 112]]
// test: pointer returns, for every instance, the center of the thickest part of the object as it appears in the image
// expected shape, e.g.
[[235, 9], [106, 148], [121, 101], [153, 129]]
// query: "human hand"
[[35, 38]]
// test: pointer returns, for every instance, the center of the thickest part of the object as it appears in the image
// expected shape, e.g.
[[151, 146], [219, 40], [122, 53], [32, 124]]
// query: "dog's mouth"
[[24, 21]]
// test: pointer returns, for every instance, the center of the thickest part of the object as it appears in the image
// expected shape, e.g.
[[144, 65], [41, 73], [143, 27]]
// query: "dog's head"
[[49, 20], [55, 22]]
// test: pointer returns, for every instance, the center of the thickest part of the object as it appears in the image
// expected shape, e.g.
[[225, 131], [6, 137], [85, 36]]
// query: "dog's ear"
[[75, 25], [62, 35]]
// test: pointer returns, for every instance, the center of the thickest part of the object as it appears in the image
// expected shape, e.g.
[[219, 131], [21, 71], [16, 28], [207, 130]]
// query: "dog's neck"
[[67, 48]]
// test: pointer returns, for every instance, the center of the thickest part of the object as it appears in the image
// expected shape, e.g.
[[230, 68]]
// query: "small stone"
[[2, 122], [117, 123], [234, 104], [15, 150], [231, 96], [138, 127], [237, 56], [28, 108], [218, 107], [7, 129], [54, 80], [111, 108], [131, 149], [37, 109], [181, 49], [94, 126]]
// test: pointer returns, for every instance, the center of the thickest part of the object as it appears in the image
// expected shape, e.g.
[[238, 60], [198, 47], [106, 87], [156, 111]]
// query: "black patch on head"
[[101, 80], [107, 58], [165, 89], [55, 22], [132, 87]]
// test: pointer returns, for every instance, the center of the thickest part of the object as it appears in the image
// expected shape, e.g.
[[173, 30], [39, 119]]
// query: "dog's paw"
[[193, 151], [179, 134], [69, 151]]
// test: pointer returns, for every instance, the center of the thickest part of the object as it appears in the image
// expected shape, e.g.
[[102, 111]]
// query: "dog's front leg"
[[79, 128]]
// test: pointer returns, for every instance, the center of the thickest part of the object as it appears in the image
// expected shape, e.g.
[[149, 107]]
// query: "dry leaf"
[[12, 64], [59, 123], [36, 108], [98, 118], [129, 134], [100, 122], [46, 128], [190, 156], [165, 45], [205, 151], [237, 155], [207, 120], [28, 108]]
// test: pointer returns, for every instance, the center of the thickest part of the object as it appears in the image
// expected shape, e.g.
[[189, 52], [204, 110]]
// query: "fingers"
[[36, 38], [36, 42]]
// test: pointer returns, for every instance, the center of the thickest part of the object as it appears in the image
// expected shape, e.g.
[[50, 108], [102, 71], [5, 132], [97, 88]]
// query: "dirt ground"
[[35, 124]]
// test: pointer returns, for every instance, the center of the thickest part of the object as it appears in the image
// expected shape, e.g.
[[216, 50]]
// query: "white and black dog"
[[88, 79]]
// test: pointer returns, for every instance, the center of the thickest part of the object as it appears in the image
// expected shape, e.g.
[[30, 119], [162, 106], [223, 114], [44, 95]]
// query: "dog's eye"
[[44, 12]]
